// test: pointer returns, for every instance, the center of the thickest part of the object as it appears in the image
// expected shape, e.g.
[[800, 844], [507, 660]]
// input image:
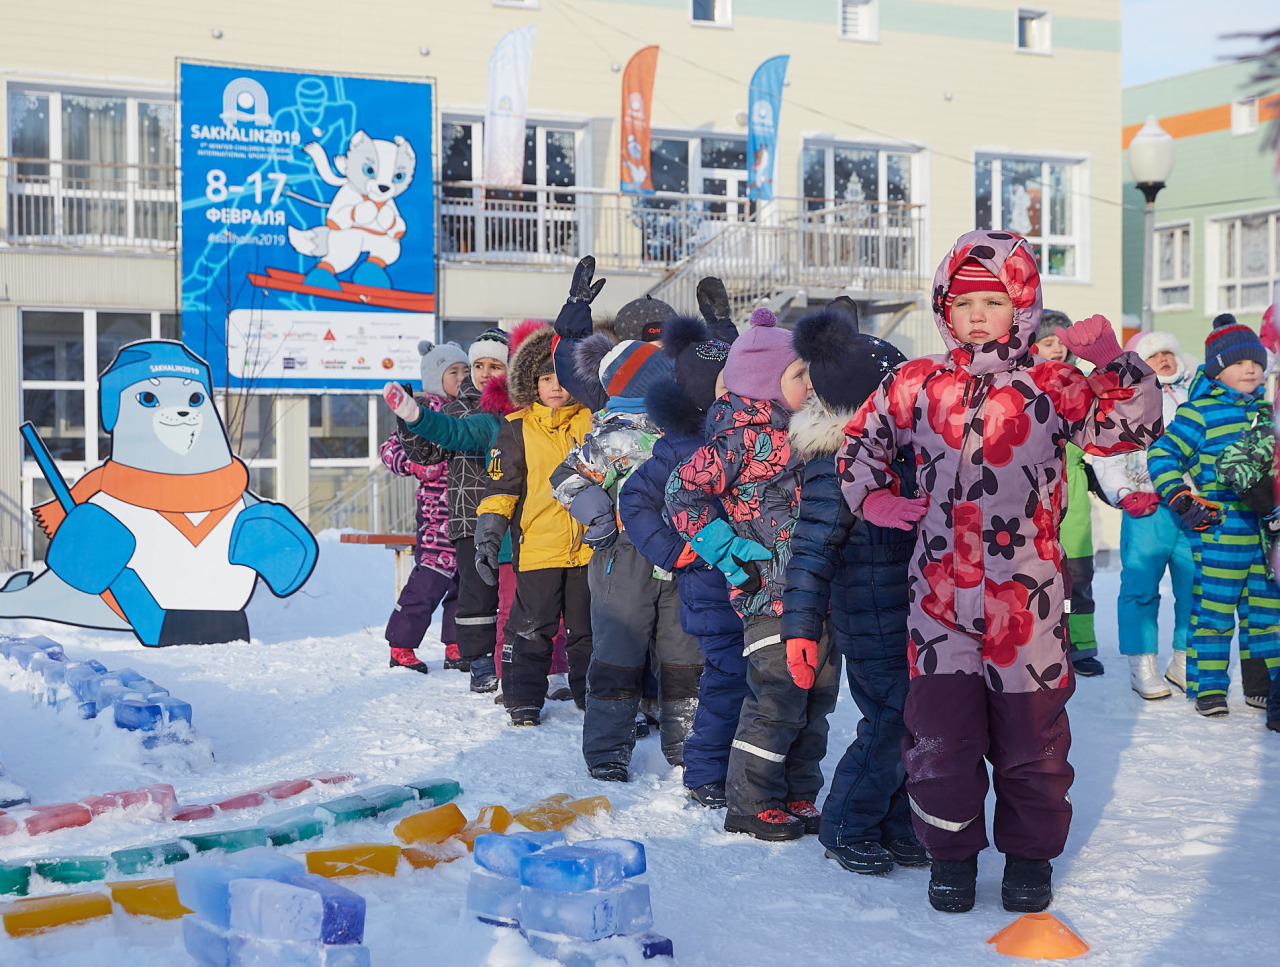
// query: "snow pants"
[[477, 617], [506, 598], [1076, 534], [956, 720], [1230, 579], [868, 797], [424, 591], [634, 615], [1084, 643], [1148, 546], [543, 597], [777, 751], [706, 614]]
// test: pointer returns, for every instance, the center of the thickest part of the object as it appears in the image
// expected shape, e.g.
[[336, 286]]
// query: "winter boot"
[[609, 772], [558, 687], [642, 727], [454, 661], [1027, 886], [868, 858], [1176, 673], [805, 811], [711, 795], [1255, 682], [484, 674], [953, 885], [649, 708], [772, 825], [907, 850], [1088, 667], [407, 658], [526, 716], [1144, 677], [677, 723], [1212, 706]]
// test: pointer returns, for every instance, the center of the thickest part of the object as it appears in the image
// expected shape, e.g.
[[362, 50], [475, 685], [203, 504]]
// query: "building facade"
[[903, 124]]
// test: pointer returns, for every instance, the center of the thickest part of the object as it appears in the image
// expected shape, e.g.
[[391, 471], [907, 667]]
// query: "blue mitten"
[[593, 507], [269, 538], [90, 549], [717, 544]]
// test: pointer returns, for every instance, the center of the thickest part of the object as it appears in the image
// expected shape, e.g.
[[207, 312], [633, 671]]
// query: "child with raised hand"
[[549, 556], [849, 577], [1225, 400], [990, 675], [774, 765]]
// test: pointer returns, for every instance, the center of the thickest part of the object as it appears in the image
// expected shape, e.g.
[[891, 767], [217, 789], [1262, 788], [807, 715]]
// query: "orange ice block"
[[551, 813], [34, 914], [492, 819], [431, 825], [589, 806], [430, 855], [148, 898], [354, 859]]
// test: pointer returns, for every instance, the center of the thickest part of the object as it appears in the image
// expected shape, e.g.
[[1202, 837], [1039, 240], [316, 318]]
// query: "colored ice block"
[[71, 869], [148, 898], [23, 653], [140, 858], [82, 678], [245, 800], [430, 855], [250, 951], [186, 814], [7, 826], [590, 806], [492, 819], [207, 945], [108, 694], [493, 898], [174, 710], [62, 815], [287, 788], [304, 907], [502, 854], [354, 859], [137, 715], [52, 669], [587, 916], [630, 852], [162, 795], [431, 825], [547, 814], [295, 830], [348, 809], [14, 879], [545, 838], [34, 914], [203, 885], [436, 791], [331, 778], [45, 644], [230, 840], [387, 798], [571, 869]]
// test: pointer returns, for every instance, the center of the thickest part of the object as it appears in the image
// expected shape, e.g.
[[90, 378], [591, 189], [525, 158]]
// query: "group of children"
[[722, 520]]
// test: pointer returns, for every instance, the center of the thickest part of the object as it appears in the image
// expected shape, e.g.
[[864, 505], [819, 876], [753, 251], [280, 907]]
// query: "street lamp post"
[[1150, 163]]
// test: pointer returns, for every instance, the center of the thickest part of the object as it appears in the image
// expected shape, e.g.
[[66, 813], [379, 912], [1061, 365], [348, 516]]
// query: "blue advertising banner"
[[308, 226], [763, 105]]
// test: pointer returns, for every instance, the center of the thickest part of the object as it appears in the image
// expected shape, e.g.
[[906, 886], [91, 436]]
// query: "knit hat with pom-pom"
[[1229, 342], [758, 359], [435, 360], [845, 366]]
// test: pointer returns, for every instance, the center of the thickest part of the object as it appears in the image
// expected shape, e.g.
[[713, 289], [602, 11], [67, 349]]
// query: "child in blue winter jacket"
[[849, 577]]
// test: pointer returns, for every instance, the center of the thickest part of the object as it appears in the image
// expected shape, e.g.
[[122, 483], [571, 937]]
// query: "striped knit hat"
[[631, 367], [1229, 342], [972, 276], [490, 344]]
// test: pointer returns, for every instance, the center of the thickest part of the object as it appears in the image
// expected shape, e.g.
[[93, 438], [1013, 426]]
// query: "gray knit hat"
[[435, 360], [1050, 320]]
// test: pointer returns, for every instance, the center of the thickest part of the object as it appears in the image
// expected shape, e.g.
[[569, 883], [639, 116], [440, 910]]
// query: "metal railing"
[[89, 204], [372, 503]]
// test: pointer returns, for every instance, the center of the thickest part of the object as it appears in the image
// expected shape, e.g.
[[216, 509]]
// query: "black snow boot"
[[1027, 886], [868, 858], [1212, 706], [711, 795], [609, 772], [773, 825], [484, 674], [526, 716], [907, 851], [805, 811], [454, 661], [953, 885]]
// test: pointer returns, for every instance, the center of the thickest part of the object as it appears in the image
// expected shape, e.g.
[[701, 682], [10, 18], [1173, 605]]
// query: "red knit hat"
[[972, 276]]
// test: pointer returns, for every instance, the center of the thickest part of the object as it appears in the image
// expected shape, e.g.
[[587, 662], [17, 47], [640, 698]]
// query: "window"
[[1173, 267], [346, 432], [98, 168], [1034, 30], [710, 166], [1248, 263], [1039, 199], [835, 174], [858, 19], [711, 13], [1244, 115]]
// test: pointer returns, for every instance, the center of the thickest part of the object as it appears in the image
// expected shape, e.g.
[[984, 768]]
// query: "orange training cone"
[[1039, 935]]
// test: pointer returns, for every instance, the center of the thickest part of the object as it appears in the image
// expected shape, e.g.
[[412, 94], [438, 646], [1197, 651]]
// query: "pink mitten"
[[1091, 339], [802, 661], [1139, 504], [401, 402], [884, 509]]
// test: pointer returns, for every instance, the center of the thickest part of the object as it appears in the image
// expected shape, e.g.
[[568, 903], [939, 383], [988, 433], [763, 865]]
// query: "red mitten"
[[1137, 504], [884, 509], [1091, 339], [687, 556], [802, 661]]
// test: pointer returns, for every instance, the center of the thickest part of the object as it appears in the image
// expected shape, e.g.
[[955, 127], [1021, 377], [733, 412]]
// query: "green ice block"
[[437, 792], [72, 869], [294, 831], [139, 858], [231, 840], [386, 798], [14, 879], [348, 809]]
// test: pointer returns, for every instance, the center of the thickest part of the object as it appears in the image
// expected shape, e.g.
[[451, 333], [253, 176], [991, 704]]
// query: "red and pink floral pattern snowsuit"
[[987, 640]]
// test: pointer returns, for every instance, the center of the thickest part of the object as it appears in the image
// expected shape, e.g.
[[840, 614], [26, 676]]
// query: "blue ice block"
[[148, 688], [570, 869], [207, 945], [173, 710], [250, 951], [83, 677], [23, 653], [137, 714], [52, 669], [630, 852], [45, 644], [108, 693], [298, 907], [502, 854], [493, 898], [203, 886], [591, 915], [547, 838]]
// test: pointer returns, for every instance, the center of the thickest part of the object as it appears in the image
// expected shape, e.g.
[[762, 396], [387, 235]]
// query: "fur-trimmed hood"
[[589, 354], [816, 430], [494, 398], [527, 359], [673, 410]]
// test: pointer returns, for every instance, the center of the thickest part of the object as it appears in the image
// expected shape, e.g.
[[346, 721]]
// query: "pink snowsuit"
[[987, 642]]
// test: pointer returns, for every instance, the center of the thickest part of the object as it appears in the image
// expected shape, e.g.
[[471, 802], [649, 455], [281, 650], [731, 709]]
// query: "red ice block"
[[185, 814], [97, 805], [7, 826], [246, 800], [286, 789], [59, 815], [331, 778], [130, 797], [162, 795]]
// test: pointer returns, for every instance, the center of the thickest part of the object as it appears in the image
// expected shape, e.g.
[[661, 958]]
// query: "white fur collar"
[[816, 431]]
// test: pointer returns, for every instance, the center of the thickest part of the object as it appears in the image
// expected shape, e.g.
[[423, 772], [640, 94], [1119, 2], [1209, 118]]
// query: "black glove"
[[490, 529], [1196, 512], [582, 290], [713, 303]]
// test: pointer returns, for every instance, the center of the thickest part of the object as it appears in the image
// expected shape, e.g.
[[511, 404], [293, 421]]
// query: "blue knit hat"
[[1229, 342], [140, 361]]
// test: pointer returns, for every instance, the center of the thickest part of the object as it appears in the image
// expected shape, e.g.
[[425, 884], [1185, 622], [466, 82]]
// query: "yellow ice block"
[[590, 806], [431, 855], [492, 819], [148, 898], [431, 825], [550, 813], [34, 914], [354, 859]]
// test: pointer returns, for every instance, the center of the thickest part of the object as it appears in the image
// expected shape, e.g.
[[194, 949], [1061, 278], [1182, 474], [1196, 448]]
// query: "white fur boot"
[[1144, 677], [1176, 673]]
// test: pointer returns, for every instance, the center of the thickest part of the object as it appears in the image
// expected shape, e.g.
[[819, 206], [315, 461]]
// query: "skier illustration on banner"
[[164, 539]]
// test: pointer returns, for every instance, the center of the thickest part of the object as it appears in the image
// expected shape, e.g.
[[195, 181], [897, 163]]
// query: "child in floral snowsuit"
[[990, 675]]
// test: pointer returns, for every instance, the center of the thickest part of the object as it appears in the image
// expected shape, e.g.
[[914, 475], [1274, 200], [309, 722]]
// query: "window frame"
[[1245, 115], [873, 33], [1181, 258], [720, 23], [1038, 14], [1216, 279]]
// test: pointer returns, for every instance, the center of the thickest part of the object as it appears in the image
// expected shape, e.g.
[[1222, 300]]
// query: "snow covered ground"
[[1171, 859]]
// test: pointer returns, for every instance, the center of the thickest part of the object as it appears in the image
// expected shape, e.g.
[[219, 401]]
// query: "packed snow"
[[1170, 859]]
